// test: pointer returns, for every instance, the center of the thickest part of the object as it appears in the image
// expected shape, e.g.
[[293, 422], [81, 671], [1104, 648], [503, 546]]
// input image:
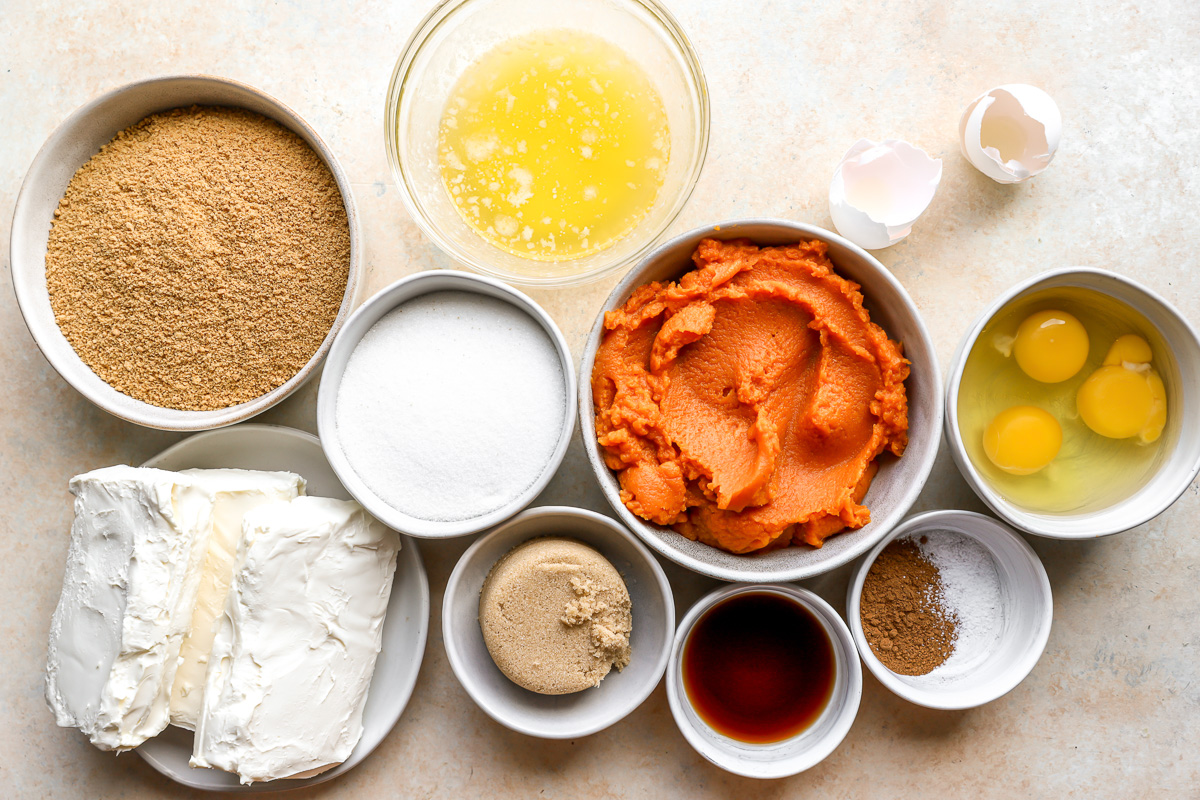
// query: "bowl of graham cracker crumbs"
[[183, 250]]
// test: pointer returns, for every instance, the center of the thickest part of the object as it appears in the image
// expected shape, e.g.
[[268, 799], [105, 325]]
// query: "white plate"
[[272, 447]]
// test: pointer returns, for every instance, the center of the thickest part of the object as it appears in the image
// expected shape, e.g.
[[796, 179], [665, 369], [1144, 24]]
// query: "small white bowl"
[[567, 716], [76, 140], [790, 756], [898, 482], [1028, 611], [357, 326], [1179, 463]]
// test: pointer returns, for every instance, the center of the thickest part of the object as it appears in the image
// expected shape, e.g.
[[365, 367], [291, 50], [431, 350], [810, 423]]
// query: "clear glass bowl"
[[454, 35]]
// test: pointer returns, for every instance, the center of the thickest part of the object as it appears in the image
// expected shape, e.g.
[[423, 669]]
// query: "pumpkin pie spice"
[[902, 613]]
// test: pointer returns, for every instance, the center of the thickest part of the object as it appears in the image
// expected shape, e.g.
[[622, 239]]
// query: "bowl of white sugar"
[[446, 404]]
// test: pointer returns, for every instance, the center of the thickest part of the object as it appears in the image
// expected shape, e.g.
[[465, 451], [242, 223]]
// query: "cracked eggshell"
[[1010, 133], [880, 189]]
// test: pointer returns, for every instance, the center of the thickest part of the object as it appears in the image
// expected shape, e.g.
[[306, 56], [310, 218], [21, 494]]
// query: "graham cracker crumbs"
[[199, 259]]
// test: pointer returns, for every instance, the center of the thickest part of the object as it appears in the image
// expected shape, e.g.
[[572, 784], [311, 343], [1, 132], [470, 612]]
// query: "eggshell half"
[[1010, 133], [880, 189]]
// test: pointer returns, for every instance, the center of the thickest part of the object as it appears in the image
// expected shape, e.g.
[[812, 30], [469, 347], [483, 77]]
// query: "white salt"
[[451, 406], [970, 596]]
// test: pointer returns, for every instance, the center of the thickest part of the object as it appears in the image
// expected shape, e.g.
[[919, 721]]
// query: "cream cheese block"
[[235, 492], [295, 650], [133, 569]]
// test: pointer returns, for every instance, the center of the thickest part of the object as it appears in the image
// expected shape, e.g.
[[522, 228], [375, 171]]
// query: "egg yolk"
[[1125, 397], [1022, 439], [1129, 348], [1051, 346]]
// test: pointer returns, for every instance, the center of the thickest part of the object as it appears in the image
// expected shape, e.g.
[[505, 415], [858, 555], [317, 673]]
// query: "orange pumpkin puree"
[[745, 405]]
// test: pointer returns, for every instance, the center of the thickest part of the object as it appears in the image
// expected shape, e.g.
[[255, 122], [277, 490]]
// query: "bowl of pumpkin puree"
[[760, 400]]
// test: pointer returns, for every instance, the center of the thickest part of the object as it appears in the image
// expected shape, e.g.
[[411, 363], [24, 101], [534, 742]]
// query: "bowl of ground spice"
[[951, 610], [184, 250]]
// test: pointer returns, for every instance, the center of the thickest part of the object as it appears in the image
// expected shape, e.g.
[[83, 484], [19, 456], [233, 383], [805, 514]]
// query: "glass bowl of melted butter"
[[547, 142]]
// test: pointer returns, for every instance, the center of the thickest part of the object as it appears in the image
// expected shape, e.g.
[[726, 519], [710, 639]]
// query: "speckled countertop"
[[1113, 707]]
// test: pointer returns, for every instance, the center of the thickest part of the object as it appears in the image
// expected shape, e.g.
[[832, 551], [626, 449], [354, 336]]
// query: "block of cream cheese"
[[133, 570], [235, 492], [295, 650]]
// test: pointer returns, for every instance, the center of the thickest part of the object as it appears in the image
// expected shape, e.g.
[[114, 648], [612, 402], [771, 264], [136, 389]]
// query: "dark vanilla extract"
[[759, 667]]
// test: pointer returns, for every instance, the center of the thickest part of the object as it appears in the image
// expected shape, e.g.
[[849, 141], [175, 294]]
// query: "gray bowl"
[[1027, 604], [76, 140], [898, 481], [564, 716], [1179, 462]]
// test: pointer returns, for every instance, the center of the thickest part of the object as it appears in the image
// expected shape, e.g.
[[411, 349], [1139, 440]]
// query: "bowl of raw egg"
[[1068, 402], [546, 142]]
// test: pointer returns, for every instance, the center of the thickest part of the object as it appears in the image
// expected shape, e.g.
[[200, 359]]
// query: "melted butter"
[[554, 145]]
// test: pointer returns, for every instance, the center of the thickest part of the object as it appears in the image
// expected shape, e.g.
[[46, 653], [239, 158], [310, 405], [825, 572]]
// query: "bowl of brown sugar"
[[184, 250]]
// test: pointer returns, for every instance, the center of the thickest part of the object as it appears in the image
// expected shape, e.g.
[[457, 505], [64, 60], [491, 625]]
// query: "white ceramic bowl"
[[75, 141], [405, 628], [357, 326], [790, 756], [456, 34], [567, 716], [1028, 610], [1179, 459], [898, 481]]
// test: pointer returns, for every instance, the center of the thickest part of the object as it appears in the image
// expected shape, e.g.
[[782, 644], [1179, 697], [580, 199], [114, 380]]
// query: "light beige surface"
[[1112, 709]]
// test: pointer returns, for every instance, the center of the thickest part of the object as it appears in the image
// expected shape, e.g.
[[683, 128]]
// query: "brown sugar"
[[555, 616], [200, 258], [902, 616]]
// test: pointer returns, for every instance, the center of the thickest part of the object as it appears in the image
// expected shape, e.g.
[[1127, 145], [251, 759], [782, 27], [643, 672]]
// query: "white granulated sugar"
[[971, 596], [451, 406]]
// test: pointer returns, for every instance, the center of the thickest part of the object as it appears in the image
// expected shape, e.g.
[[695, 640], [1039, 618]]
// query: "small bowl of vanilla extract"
[[764, 680]]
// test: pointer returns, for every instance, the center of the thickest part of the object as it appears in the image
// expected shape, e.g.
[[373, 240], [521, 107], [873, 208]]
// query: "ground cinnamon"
[[901, 614]]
